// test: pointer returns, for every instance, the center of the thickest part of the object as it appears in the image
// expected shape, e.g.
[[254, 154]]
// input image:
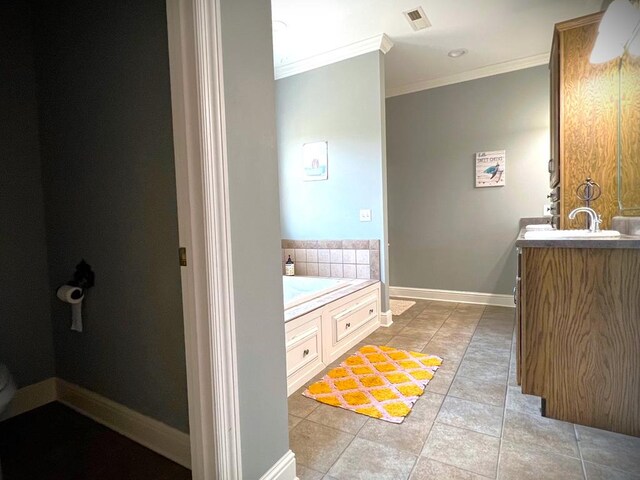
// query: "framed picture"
[[314, 161], [490, 169]]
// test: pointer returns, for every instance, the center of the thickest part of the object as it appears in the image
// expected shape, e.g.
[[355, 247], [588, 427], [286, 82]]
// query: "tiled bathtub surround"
[[334, 258]]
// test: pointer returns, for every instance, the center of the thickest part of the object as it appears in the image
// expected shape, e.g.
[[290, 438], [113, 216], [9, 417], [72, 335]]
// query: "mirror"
[[629, 130]]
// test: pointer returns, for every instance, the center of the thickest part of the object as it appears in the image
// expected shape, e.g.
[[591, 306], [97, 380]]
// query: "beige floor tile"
[[475, 416], [493, 355], [484, 371], [407, 343], [478, 390], [317, 446], [418, 333], [491, 341], [600, 472], [299, 405], [519, 402], [520, 463], [379, 337], [440, 307], [428, 323], [410, 434], [305, 473], [472, 451], [293, 421], [609, 449], [368, 460], [428, 469], [470, 307], [540, 433], [441, 382], [395, 327], [433, 315], [338, 418]]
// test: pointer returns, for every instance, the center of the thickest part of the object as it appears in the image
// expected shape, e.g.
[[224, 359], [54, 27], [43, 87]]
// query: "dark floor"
[[55, 443]]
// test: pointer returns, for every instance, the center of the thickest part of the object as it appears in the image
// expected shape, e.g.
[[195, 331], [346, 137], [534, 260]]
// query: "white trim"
[[378, 42], [197, 97], [283, 469], [386, 318], [495, 299], [496, 69], [155, 435], [31, 397]]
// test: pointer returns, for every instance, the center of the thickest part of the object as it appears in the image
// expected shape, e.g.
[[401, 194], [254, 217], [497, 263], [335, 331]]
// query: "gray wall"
[[444, 233], [107, 153], [255, 232], [342, 103], [25, 325]]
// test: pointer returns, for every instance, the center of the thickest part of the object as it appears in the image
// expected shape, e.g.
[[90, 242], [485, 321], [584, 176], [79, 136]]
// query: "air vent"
[[417, 18]]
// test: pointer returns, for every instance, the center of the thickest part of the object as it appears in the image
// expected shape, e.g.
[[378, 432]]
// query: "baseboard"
[[155, 435], [386, 319], [495, 299], [283, 469], [31, 397]]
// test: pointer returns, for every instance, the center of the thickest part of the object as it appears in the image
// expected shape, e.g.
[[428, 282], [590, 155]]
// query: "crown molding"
[[490, 70], [378, 42]]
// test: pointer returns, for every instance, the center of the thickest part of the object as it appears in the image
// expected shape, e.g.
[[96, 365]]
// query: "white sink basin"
[[560, 234]]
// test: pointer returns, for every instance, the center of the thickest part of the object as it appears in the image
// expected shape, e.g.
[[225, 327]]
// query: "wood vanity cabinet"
[[579, 334], [583, 121]]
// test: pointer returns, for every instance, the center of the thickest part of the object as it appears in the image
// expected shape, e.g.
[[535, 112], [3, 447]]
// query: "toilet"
[[7, 388]]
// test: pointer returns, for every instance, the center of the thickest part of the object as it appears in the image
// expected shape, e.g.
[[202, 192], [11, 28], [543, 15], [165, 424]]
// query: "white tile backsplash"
[[312, 269], [346, 262], [336, 270], [289, 252], [312, 255], [324, 269], [363, 271], [362, 257], [348, 256], [324, 255], [349, 271]]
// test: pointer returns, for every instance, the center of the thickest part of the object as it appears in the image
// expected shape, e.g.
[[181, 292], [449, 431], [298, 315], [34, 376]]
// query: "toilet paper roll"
[[74, 296], [70, 294]]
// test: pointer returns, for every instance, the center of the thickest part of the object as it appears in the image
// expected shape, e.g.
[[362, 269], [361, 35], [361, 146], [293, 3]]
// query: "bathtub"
[[324, 318], [298, 290]]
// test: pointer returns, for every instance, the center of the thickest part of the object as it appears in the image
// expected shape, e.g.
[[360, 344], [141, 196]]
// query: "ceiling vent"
[[417, 18]]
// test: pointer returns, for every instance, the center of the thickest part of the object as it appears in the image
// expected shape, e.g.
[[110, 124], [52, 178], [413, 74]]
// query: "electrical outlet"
[[365, 215], [547, 210]]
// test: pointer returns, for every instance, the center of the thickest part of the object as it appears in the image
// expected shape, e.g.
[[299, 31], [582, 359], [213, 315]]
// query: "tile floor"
[[472, 422]]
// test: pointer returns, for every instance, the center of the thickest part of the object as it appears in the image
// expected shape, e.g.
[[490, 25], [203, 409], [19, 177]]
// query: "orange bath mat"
[[381, 382]]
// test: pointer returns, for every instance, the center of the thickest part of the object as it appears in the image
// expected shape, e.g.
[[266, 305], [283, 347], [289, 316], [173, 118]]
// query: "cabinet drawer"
[[349, 319], [303, 348]]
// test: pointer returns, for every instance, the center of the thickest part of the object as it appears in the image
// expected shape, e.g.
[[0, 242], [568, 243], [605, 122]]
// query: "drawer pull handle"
[[348, 325], [370, 311], [306, 352]]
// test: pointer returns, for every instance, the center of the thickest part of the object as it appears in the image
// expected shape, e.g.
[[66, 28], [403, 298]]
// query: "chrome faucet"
[[594, 220]]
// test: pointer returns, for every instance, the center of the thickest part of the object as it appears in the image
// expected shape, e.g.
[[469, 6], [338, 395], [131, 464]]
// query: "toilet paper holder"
[[73, 292]]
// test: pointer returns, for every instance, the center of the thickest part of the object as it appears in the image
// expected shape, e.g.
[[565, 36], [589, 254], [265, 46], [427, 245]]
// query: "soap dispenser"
[[289, 267]]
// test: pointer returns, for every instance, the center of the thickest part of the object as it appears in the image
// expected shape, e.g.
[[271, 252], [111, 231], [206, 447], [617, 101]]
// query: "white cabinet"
[[316, 339]]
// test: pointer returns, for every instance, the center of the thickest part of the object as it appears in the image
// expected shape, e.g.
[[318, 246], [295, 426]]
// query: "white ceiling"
[[493, 31]]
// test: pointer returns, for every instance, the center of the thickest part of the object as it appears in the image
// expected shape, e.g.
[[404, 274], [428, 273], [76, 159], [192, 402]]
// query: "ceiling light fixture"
[[616, 30], [458, 52]]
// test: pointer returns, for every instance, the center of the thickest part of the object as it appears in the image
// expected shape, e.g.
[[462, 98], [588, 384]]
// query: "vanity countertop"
[[623, 241]]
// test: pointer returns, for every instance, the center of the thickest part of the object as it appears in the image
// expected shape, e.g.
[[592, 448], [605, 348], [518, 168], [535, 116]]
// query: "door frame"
[[197, 98]]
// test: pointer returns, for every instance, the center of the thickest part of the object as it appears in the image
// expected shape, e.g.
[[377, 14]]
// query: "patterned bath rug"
[[398, 307], [380, 382]]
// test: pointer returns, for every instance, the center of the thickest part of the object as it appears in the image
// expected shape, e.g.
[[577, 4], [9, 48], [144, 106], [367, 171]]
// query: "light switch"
[[365, 215]]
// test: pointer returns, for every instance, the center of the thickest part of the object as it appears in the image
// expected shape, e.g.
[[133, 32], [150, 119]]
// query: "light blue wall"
[[26, 345], [445, 233], [109, 182], [343, 104], [249, 94]]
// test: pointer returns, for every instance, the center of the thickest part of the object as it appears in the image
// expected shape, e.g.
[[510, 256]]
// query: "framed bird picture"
[[490, 168]]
